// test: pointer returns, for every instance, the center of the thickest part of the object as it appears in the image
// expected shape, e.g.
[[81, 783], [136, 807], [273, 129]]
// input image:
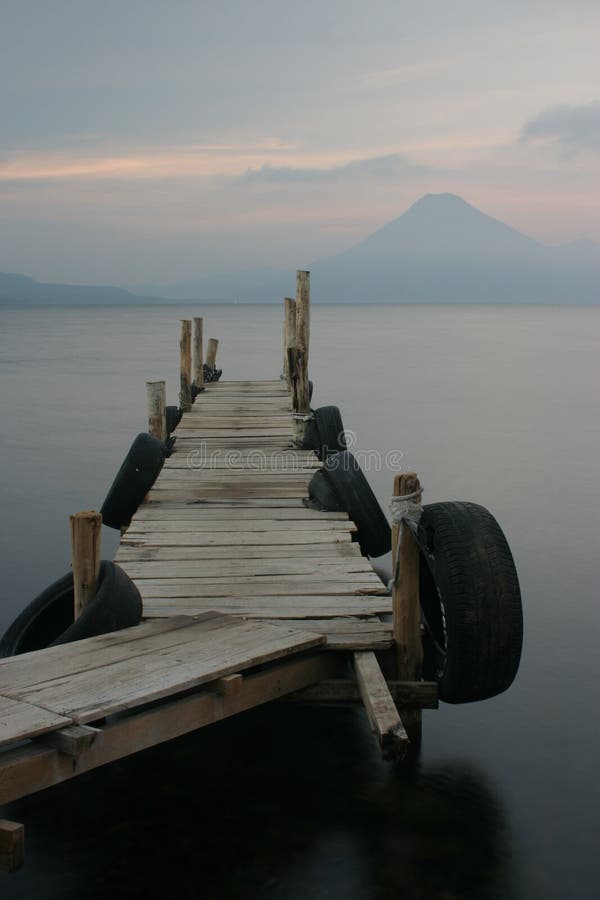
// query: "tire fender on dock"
[[49, 618], [470, 601], [134, 479]]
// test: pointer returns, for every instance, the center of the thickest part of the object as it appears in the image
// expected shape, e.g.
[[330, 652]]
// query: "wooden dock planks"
[[88, 680], [225, 527]]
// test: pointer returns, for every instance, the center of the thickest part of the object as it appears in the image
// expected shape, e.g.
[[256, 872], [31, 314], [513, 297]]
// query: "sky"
[[147, 141]]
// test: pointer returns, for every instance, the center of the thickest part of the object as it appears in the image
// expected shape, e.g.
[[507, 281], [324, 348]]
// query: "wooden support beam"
[[211, 353], [157, 415], [185, 376], [383, 716], [301, 392], [289, 335], [344, 691], [198, 354], [86, 533], [12, 845], [72, 740], [405, 602]]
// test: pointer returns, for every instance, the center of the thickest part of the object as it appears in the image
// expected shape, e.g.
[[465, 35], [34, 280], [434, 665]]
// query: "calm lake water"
[[498, 406]]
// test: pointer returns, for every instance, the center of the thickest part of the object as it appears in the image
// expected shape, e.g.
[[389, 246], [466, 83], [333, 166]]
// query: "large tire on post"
[[49, 619], [470, 602], [354, 495], [325, 432], [134, 479]]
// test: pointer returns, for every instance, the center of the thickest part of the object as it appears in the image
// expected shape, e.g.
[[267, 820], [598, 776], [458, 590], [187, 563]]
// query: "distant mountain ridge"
[[23, 289], [441, 250]]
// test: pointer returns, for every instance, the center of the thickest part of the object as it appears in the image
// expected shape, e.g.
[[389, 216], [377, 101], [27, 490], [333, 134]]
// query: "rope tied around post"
[[303, 418], [404, 509]]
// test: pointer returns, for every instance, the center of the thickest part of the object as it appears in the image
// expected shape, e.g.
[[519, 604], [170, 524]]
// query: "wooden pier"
[[248, 597]]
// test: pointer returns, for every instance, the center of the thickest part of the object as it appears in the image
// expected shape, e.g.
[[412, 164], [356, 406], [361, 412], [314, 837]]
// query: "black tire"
[[48, 620], [321, 495], [325, 432], [354, 493], [134, 479], [174, 415], [471, 602]]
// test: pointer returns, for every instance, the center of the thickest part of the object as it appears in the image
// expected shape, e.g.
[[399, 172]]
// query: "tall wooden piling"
[[289, 335], [405, 603], [301, 393], [86, 531], [157, 410], [185, 379], [198, 358], [211, 352]]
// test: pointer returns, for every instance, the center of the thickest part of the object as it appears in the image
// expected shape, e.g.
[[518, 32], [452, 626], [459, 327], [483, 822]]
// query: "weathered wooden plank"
[[167, 526], [32, 768], [367, 633], [258, 586], [232, 538], [265, 431], [28, 669], [237, 645], [383, 716], [219, 478], [232, 503], [293, 606], [245, 568], [281, 491], [247, 551], [232, 423], [233, 464], [182, 512], [20, 719]]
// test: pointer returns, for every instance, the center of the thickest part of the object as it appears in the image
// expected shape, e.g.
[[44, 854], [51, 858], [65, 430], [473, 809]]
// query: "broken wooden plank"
[[383, 716]]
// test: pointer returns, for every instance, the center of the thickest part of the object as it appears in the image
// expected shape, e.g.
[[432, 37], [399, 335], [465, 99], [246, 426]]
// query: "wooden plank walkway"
[[225, 528], [73, 684]]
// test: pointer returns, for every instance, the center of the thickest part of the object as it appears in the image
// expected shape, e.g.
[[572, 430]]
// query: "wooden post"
[[86, 532], [289, 335], [12, 845], [405, 605], [157, 414], [302, 343], [198, 359], [185, 347], [211, 353]]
